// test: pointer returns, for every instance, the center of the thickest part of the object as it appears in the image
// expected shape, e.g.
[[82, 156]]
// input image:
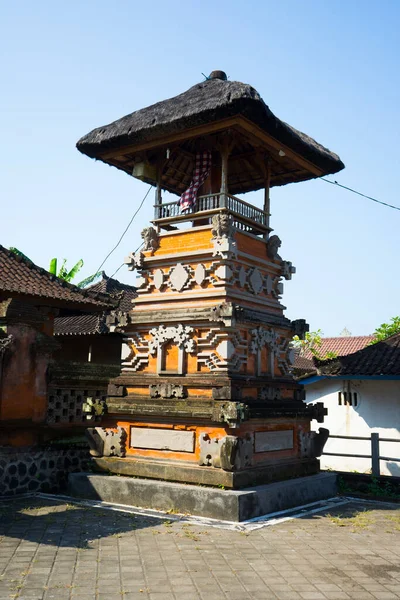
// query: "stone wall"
[[33, 469]]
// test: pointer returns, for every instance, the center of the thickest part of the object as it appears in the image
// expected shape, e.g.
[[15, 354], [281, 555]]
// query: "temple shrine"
[[205, 394]]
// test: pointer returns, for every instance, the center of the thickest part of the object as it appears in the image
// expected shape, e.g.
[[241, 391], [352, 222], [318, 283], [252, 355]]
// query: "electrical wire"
[[120, 266], [359, 193], [126, 229]]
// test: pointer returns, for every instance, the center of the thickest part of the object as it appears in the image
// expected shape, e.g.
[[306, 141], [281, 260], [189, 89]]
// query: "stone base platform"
[[181, 472], [227, 505]]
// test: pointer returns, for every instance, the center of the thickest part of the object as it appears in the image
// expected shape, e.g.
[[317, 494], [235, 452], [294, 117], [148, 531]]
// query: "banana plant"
[[63, 272]]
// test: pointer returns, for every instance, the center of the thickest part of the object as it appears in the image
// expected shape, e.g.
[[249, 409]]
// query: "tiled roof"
[[92, 324], [122, 291], [382, 358], [88, 324], [341, 345], [20, 276]]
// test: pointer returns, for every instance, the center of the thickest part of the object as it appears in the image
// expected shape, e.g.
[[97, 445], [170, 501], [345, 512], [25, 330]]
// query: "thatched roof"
[[203, 104]]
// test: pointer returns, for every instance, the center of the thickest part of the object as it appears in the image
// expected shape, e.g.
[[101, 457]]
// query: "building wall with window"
[[359, 407]]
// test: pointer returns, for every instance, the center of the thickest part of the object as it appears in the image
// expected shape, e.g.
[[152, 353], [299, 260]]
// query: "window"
[[347, 399]]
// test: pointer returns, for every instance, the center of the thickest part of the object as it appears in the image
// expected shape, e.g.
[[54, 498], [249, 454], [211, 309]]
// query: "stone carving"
[[232, 413], [75, 405], [288, 269], [273, 245], [242, 277], [180, 334], [222, 236], [229, 453], [263, 337], [116, 390], [270, 393], [106, 442], [222, 226], [166, 390], [134, 261], [117, 319], [158, 278], [150, 239], [256, 281], [94, 407], [226, 393], [223, 313], [312, 443], [135, 352], [200, 274], [222, 351], [224, 272], [178, 277]]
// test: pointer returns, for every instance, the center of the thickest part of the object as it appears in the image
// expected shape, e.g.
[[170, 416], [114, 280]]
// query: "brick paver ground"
[[59, 551]]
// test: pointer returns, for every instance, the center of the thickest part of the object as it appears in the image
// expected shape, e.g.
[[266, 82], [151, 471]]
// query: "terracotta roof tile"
[[91, 324], [379, 359], [20, 276]]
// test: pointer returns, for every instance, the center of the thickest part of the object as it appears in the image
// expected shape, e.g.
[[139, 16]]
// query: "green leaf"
[[53, 266], [89, 280], [75, 269]]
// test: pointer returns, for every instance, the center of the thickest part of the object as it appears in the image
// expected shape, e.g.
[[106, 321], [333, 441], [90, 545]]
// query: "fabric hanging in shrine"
[[201, 171]]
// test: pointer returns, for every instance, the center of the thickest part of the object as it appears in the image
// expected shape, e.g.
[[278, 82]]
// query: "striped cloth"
[[201, 172]]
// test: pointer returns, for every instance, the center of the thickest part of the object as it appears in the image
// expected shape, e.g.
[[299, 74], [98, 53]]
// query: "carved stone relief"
[[158, 279], [181, 335], [229, 453], [256, 281], [273, 245], [150, 239], [106, 442], [179, 277], [135, 261], [200, 274], [135, 352], [166, 390], [269, 393], [219, 350], [287, 269]]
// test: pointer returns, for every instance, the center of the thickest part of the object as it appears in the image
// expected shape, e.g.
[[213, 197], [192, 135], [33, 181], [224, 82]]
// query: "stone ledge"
[[227, 505], [192, 473]]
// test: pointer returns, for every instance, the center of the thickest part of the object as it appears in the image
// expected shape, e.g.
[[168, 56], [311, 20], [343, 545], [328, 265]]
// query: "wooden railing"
[[244, 212], [375, 453]]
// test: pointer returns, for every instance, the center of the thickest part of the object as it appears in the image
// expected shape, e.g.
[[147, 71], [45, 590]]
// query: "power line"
[[120, 266], [126, 229], [360, 194]]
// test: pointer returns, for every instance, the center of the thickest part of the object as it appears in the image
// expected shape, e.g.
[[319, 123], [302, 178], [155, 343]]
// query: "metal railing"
[[375, 455], [212, 203]]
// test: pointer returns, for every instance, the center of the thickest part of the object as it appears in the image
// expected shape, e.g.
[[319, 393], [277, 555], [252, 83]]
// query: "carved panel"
[[75, 405], [106, 442], [166, 390], [135, 352], [179, 277]]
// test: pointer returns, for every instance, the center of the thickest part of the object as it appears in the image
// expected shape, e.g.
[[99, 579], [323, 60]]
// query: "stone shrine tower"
[[205, 393]]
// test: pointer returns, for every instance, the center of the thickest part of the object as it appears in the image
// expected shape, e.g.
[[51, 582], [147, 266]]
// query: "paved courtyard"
[[58, 550]]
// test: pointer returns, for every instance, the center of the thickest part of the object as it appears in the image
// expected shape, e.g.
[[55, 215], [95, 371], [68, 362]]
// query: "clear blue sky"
[[331, 69]]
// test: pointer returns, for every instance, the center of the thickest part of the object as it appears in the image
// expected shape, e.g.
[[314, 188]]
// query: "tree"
[[312, 342], [386, 330]]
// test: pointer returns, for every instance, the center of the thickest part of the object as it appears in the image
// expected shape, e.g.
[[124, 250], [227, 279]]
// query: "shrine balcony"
[[246, 217]]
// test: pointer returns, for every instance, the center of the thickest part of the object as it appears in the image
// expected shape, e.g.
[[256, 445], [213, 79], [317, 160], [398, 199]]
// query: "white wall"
[[377, 411]]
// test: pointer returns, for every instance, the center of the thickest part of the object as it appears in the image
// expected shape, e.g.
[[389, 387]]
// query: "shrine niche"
[[205, 392]]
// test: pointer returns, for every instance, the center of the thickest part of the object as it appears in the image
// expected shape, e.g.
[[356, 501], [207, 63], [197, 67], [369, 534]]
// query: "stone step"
[[215, 503]]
